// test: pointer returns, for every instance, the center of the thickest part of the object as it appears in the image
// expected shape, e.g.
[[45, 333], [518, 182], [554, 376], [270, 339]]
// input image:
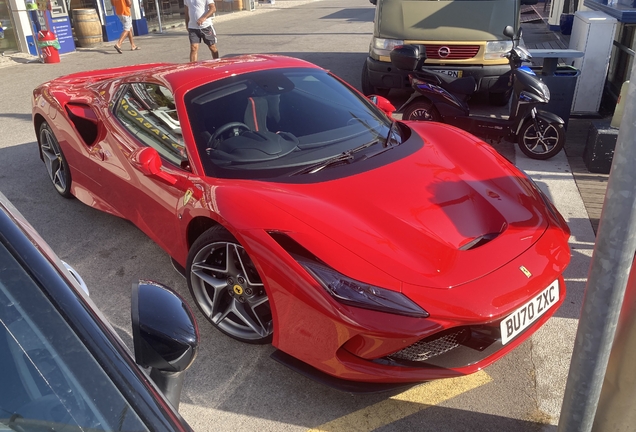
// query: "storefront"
[[8, 38], [88, 23]]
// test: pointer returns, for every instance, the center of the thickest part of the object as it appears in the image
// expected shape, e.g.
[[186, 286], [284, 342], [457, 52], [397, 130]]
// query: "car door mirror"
[[148, 161], [383, 103], [165, 335]]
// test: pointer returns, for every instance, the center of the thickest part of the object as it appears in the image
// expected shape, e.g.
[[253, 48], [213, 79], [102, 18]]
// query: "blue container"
[[565, 23]]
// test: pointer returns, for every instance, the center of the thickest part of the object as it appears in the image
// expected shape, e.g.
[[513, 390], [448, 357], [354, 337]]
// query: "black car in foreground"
[[63, 367]]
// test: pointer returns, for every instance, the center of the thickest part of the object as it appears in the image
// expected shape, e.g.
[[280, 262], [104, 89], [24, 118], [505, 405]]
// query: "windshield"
[[272, 123]]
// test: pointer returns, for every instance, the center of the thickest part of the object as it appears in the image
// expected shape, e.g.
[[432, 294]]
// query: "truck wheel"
[[367, 88], [543, 143]]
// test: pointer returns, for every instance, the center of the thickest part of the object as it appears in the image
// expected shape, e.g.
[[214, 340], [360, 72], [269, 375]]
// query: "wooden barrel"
[[87, 27]]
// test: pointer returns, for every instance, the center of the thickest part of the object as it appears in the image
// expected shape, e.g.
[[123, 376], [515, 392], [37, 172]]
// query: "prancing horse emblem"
[[525, 271]]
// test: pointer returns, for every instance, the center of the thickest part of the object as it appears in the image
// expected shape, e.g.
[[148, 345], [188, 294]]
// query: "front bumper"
[[384, 75], [356, 345]]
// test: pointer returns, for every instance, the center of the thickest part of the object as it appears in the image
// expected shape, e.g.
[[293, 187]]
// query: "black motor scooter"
[[438, 97]]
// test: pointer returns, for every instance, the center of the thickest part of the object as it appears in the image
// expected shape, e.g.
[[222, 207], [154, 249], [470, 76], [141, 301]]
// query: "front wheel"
[[227, 287], [421, 111], [543, 142]]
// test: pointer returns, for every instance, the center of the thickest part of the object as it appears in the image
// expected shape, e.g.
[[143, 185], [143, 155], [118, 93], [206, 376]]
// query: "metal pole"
[[616, 411], [607, 279], [159, 15]]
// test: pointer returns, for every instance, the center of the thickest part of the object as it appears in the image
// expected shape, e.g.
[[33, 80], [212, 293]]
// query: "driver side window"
[[148, 111]]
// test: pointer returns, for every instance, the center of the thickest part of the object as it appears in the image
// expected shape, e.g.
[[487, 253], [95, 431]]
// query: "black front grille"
[[432, 347], [452, 348]]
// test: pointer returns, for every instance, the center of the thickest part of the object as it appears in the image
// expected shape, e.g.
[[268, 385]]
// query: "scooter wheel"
[[421, 111], [543, 143]]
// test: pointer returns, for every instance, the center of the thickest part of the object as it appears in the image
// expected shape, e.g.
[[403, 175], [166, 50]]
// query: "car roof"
[[184, 77]]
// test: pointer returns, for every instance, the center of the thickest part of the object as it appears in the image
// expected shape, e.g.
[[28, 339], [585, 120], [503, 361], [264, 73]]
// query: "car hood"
[[451, 212], [446, 20]]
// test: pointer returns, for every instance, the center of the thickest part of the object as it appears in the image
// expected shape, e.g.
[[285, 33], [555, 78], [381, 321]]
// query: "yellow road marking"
[[405, 404]]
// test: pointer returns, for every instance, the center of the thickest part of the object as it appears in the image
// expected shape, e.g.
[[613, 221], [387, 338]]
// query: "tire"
[[367, 88], [421, 111], [227, 288], [54, 161], [543, 145]]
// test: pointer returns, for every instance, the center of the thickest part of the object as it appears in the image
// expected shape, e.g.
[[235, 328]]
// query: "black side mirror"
[[165, 335], [373, 2]]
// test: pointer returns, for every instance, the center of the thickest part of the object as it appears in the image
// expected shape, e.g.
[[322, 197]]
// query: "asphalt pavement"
[[237, 387]]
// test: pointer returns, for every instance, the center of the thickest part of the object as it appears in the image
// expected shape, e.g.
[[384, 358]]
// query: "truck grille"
[[455, 52], [433, 346]]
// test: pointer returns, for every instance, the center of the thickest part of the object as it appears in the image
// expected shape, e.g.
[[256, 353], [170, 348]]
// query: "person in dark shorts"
[[198, 15]]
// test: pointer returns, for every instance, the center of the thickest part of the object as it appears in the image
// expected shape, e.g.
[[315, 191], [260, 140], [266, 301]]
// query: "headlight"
[[546, 90], [497, 49], [383, 47], [351, 292]]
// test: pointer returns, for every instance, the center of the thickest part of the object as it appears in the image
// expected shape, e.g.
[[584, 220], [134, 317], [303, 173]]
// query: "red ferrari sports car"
[[367, 250]]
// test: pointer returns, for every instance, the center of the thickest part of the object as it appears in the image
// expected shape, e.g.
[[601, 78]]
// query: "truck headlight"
[[497, 49], [383, 47]]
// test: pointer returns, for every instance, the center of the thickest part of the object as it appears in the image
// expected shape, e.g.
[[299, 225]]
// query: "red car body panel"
[[400, 226]]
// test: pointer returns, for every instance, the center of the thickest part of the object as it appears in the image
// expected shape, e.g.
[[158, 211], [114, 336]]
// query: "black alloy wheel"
[[421, 111], [541, 141]]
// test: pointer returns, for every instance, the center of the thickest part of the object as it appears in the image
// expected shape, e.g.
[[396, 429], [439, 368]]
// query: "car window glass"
[[268, 123], [50, 381], [148, 111]]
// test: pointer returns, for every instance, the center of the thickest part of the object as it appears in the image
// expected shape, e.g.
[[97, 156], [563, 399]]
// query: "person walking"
[[122, 10], [198, 15]]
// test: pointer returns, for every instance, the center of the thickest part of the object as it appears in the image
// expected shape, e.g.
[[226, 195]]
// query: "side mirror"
[[148, 161], [383, 103], [408, 57], [165, 336], [373, 2], [509, 32]]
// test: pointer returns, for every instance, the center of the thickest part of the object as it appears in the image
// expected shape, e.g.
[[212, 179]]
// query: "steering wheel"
[[213, 140]]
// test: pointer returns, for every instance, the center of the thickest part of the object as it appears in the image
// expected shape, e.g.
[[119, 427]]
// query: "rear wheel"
[[54, 161], [367, 88], [422, 111], [227, 287], [543, 140]]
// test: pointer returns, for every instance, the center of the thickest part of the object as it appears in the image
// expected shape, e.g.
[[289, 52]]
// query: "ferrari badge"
[[525, 271], [187, 196]]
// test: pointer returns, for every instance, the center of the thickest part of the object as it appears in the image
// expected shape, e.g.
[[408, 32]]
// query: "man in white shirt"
[[198, 15]]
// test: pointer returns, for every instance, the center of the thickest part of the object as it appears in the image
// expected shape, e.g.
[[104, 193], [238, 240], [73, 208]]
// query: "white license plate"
[[521, 319], [452, 73]]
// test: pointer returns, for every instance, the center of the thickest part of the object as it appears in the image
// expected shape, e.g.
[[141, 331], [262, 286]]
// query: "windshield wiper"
[[391, 135], [345, 156]]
